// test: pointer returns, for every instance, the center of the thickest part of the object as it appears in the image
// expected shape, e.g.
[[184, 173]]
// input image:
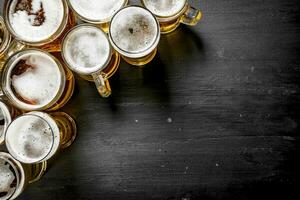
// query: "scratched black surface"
[[214, 116]]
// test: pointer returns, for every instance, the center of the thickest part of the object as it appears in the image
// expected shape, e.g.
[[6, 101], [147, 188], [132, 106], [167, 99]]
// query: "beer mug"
[[134, 32], [15, 177], [38, 23], [35, 137], [87, 51], [97, 12], [33, 79], [7, 113], [171, 13]]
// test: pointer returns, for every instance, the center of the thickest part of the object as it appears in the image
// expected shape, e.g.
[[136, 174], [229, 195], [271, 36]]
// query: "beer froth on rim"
[[33, 79], [32, 138], [134, 32], [86, 49], [165, 8], [35, 20], [97, 10]]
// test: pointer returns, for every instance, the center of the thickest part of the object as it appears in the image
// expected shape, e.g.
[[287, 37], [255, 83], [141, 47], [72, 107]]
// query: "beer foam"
[[164, 8], [87, 49], [23, 23], [29, 138], [97, 10], [40, 83], [134, 30], [8, 179]]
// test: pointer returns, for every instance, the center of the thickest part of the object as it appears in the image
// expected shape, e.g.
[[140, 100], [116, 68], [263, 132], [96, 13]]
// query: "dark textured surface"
[[215, 116]]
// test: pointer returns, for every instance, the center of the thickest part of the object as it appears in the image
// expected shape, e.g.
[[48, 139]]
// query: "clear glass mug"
[[171, 14], [87, 51], [15, 177], [135, 33], [37, 32], [33, 79], [96, 12], [5, 40], [7, 113], [35, 137]]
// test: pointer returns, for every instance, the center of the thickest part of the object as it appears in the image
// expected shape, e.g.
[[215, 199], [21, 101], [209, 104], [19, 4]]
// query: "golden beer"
[[15, 177], [135, 34], [171, 13], [87, 51], [97, 12], [33, 79], [29, 26]]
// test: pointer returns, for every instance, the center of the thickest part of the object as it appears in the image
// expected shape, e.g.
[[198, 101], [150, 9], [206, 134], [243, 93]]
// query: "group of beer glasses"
[[42, 42]]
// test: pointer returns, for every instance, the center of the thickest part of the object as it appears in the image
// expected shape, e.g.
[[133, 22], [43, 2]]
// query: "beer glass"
[[97, 12], [33, 79], [7, 113], [40, 26], [134, 32], [15, 177], [170, 13], [35, 137], [87, 51]]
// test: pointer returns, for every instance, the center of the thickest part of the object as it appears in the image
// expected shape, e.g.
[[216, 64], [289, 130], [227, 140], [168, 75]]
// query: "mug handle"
[[102, 84], [191, 16]]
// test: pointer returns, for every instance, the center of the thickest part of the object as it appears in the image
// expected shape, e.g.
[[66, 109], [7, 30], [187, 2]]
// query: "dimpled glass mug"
[[98, 12], [38, 23], [170, 13], [87, 51], [33, 79], [15, 176], [134, 32]]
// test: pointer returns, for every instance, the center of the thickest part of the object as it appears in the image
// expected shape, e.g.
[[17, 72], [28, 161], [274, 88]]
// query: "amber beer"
[[35, 137], [38, 23], [33, 79], [15, 177], [97, 12], [87, 51], [170, 13], [135, 34]]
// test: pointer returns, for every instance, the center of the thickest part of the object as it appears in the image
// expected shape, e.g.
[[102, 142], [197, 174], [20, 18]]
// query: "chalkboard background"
[[214, 116]]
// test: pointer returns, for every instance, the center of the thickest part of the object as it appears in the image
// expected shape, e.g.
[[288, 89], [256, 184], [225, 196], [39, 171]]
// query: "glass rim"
[[85, 19], [141, 53], [10, 63], [171, 17], [48, 40], [10, 149], [66, 38]]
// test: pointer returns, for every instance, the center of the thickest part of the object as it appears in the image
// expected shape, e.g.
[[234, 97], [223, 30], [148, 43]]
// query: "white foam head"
[[5, 119], [31, 138], [38, 85], [86, 49], [134, 32], [164, 8], [98, 11], [25, 23], [9, 178]]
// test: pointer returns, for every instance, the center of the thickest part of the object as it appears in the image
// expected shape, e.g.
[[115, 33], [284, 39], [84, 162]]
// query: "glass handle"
[[14, 47], [102, 84], [191, 17]]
